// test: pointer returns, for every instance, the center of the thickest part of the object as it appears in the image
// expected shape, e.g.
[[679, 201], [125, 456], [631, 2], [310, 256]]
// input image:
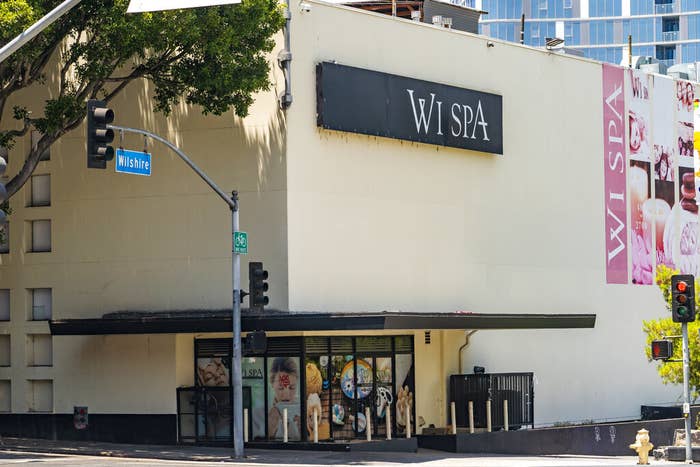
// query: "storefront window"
[[403, 397], [254, 380], [283, 381], [337, 377], [318, 396], [213, 400], [342, 396]]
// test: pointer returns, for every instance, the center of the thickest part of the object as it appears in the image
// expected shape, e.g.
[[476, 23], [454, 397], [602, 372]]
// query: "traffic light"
[[258, 286], [683, 298], [661, 349], [98, 135]]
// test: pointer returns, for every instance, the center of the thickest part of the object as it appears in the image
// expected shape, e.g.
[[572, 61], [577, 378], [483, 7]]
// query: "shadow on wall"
[[258, 139]]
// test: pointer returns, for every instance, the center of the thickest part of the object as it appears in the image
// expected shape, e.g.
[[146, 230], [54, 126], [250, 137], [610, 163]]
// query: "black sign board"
[[374, 103]]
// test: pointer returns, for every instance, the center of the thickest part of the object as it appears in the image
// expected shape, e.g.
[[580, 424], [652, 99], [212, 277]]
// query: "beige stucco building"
[[344, 223]]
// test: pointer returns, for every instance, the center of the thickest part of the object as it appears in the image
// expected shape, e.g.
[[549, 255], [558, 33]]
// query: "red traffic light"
[[681, 286]]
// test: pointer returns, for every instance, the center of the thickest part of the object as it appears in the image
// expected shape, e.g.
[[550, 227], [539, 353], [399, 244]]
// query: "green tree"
[[672, 373], [215, 57]]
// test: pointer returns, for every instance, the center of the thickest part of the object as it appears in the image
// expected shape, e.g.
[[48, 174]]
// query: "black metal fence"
[[516, 388]]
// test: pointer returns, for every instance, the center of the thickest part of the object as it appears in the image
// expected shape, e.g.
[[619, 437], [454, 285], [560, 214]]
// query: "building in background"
[[668, 30]]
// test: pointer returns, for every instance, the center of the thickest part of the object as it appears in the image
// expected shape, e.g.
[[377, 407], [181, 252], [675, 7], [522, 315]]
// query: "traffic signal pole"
[[236, 371], [686, 394], [32, 31]]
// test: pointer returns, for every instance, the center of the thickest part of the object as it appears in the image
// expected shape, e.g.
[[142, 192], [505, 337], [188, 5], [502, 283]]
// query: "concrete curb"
[[175, 453]]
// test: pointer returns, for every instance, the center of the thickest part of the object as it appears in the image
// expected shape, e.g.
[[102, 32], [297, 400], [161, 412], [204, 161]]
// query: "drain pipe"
[[467, 335], [284, 60]]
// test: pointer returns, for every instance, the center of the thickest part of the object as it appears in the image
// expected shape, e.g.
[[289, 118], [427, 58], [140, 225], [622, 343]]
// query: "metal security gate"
[[516, 388]]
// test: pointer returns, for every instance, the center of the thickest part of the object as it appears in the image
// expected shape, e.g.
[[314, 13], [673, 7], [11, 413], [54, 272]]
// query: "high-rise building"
[[668, 30]]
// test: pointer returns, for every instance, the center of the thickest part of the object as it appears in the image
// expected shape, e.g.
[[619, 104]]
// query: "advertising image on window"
[[283, 393], [213, 371]]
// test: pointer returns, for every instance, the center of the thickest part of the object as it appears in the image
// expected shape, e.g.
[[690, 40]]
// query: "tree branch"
[[30, 163]]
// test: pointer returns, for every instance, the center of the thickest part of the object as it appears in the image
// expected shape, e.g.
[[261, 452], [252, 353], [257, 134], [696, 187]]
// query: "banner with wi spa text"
[[651, 210], [615, 175]]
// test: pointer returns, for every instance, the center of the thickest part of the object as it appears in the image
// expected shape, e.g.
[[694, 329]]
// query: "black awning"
[[220, 321]]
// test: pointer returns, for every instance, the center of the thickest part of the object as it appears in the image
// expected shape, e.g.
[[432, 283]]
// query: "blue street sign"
[[133, 162]]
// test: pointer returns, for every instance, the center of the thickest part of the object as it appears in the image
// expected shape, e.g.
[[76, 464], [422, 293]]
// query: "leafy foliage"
[[672, 373], [214, 57]]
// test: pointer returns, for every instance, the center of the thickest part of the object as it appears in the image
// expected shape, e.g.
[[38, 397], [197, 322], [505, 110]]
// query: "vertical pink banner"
[[639, 177], [665, 152], [615, 177]]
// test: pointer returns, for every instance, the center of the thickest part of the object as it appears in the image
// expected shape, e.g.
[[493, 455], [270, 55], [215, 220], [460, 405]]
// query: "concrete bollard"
[[408, 424], [368, 428], [505, 414], [471, 417], [315, 424], [488, 415], [453, 414], [245, 425], [285, 428], [388, 422]]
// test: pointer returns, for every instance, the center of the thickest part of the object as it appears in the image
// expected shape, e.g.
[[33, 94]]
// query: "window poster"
[[404, 392], [639, 176], [318, 397], [283, 393], [213, 371], [254, 377]]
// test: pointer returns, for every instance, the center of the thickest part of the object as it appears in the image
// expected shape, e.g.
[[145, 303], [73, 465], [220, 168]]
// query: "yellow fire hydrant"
[[642, 446]]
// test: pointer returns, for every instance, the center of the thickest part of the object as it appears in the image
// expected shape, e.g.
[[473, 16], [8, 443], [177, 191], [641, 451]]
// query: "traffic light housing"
[[683, 298], [257, 281], [661, 349], [98, 135]]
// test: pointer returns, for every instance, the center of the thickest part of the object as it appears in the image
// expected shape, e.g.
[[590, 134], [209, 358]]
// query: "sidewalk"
[[277, 458]]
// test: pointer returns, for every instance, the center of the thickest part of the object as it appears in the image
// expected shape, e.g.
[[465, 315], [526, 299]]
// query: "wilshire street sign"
[[133, 162], [379, 104]]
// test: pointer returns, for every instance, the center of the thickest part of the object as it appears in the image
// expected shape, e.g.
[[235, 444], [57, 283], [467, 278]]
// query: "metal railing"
[[669, 36], [665, 8]]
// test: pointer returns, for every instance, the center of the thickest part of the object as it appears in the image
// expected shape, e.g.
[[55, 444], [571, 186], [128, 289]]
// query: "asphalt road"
[[423, 458]]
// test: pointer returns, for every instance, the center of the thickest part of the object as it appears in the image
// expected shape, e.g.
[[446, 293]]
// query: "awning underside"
[[199, 321]]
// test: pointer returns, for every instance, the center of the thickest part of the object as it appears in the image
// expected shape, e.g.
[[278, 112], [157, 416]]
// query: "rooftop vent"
[[442, 21]]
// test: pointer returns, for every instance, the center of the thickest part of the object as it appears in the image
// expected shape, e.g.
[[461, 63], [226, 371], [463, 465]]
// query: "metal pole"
[[236, 373], [183, 156], [686, 394], [32, 31]]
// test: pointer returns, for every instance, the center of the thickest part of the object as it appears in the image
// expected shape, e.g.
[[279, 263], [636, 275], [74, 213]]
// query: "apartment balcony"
[[669, 36], [668, 62], [666, 8]]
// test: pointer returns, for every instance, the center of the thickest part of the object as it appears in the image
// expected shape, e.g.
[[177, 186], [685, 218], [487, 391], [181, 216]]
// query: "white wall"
[[399, 225]]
